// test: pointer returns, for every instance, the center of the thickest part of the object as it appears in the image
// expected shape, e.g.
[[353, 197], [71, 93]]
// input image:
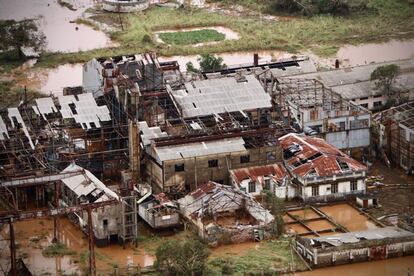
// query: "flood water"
[[34, 235], [54, 21], [349, 217], [52, 81], [390, 267]]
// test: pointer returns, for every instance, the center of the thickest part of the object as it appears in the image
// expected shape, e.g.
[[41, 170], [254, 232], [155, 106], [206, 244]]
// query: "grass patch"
[[66, 5], [322, 34], [57, 249], [271, 257], [10, 60], [11, 96], [87, 22], [191, 37]]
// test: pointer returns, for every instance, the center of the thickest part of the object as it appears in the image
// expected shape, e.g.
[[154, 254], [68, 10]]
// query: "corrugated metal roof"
[[315, 157], [46, 106], [277, 171], [150, 133], [15, 113], [87, 111], [200, 149], [3, 130], [214, 96], [373, 234]]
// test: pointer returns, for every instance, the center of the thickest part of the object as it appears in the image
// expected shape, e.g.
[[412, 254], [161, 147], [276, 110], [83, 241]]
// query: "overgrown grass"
[[11, 95], [10, 60], [191, 37], [322, 34], [271, 257], [57, 249]]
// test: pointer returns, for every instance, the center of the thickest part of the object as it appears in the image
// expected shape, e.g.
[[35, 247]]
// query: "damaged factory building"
[[223, 214]]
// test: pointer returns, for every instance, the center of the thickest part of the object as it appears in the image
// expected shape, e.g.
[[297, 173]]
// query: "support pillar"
[[92, 266], [56, 224], [13, 268]]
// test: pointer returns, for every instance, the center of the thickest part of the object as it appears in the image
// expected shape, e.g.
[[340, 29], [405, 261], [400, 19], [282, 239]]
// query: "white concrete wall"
[[92, 80]]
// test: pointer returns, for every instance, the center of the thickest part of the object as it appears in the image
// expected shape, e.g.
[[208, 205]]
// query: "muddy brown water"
[[54, 21], [390, 267], [28, 232], [349, 217]]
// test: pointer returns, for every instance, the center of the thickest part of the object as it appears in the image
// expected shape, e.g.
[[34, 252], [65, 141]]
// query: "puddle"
[[319, 225], [348, 217], [389, 267], [228, 33], [54, 21], [296, 228], [52, 81], [304, 214], [74, 239]]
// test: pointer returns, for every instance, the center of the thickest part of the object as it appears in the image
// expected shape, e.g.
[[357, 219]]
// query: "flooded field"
[[52, 81], [391, 267], [349, 217], [34, 235], [55, 21]]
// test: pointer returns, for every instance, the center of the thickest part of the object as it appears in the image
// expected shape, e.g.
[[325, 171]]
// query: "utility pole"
[[92, 265]]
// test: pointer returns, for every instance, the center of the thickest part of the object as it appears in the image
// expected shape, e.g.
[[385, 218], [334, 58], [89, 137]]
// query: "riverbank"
[[323, 35]]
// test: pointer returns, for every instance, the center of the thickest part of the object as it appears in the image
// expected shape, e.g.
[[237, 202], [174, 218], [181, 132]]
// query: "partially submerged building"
[[115, 222], [158, 211], [321, 172], [273, 178], [223, 214], [369, 245]]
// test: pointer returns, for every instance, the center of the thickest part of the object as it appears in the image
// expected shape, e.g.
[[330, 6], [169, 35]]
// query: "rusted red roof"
[[313, 156], [203, 189], [277, 171], [162, 198]]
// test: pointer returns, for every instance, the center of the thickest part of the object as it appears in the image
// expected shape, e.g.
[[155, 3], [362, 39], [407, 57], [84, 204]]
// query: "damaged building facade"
[[369, 245], [321, 172], [223, 214], [394, 135], [255, 180]]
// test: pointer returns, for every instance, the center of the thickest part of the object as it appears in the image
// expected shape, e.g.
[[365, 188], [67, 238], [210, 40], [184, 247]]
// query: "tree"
[[181, 258], [15, 35], [277, 208], [207, 62], [384, 76], [210, 62]]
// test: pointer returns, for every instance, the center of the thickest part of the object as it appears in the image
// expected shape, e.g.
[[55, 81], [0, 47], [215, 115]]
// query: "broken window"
[[179, 167], [354, 185], [267, 184], [213, 163], [334, 188], [252, 187], [245, 159], [315, 190]]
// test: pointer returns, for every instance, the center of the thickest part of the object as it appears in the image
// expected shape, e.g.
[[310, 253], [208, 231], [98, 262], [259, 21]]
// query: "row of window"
[[212, 163], [334, 188]]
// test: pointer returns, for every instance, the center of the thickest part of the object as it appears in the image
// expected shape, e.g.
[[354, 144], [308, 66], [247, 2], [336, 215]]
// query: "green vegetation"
[[207, 62], [385, 75], [57, 249], [11, 95], [181, 258], [191, 37], [274, 256], [87, 22], [16, 35], [277, 208], [66, 5], [322, 34]]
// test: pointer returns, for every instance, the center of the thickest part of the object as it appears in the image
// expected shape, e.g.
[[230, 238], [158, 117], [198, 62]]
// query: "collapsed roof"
[[215, 96], [276, 171], [313, 157], [214, 198], [86, 186]]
